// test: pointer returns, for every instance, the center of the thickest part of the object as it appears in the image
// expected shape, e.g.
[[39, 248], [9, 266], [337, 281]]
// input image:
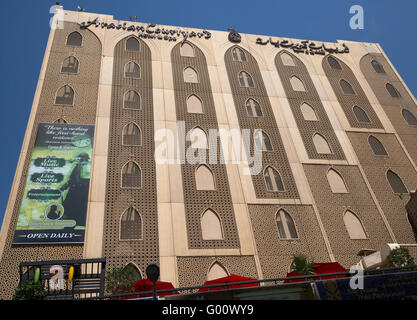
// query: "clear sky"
[[25, 28]]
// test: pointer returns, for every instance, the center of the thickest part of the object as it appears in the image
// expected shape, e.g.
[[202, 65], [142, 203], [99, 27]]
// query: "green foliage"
[[120, 280], [400, 257], [29, 290], [301, 264]]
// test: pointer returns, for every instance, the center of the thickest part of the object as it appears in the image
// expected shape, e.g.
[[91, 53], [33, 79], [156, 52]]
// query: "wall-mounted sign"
[[54, 204], [304, 46], [150, 31], [234, 36]]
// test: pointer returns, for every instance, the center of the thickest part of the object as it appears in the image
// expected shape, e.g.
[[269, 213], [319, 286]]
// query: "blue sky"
[[25, 29]]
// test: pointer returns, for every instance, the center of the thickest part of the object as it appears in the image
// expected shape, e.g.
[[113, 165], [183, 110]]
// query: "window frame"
[[71, 45], [132, 78], [250, 76], [285, 226], [124, 100], [61, 104], [141, 227], [140, 135], [132, 37], [78, 66], [266, 185], [141, 176]]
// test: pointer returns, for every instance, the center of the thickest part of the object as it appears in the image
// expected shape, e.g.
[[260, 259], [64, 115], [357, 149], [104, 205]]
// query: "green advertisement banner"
[[54, 204]]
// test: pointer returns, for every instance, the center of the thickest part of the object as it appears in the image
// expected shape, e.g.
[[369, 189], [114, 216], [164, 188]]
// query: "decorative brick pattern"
[[85, 85], [276, 158], [311, 97], [198, 201]]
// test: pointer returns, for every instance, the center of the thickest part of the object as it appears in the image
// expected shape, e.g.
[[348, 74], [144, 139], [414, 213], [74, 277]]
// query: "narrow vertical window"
[[253, 108], [245, 80], [65, 96], [321, 145], [198, 138], [334, 64], [204, 178], [131, 100], [287, 59], [337, 185], [131, 225], [194, 104], [361, 115], [377, 67], [136, 274], [273, 180], [353, 226], [187, 50], [392, 90], [75, 39], [262, 141], [190, 75], [346, 87], [132, 70], [238, 54], [70, 65], [409, 117], [132, 45], [131, 176], [297, 84], [308, 112], [131, 135], [286, 226], [377, 146], [216, 271], [211, 227], [396, 183]]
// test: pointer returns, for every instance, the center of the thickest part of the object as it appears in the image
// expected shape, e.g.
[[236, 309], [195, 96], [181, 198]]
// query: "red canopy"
[[146, 285], [319, 268], [229, 279]]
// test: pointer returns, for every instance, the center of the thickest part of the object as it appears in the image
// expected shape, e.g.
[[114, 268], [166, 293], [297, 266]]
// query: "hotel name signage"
[[304, 46], [150, 31]]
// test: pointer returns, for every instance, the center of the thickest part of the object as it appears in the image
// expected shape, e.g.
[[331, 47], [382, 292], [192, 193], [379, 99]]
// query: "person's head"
[[82, 157]]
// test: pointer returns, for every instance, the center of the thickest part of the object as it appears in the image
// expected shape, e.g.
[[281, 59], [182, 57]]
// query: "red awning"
[[146, 285], [319, 268], [229, 279]]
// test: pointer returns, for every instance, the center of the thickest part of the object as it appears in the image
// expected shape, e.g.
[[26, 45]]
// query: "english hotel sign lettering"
[[150, 31]]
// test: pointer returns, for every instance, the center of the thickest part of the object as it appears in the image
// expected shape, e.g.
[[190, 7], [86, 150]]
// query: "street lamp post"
[[152, 272]]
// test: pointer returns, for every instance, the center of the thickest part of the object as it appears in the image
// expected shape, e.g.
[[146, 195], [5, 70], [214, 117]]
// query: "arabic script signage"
[[150, 31], [304, 46]]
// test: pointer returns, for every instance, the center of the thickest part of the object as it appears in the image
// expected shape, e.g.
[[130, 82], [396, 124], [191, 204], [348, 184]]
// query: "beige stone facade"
[[321, 190]]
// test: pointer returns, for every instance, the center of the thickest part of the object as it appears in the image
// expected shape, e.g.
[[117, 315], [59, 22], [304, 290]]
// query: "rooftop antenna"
[[80, 9], [133, 18]]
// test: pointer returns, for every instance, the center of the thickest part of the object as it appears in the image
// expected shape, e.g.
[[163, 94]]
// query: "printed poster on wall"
[[54, 204]]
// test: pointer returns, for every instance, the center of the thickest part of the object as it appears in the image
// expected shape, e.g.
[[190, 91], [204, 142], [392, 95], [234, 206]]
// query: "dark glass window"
[[377, 67], [65, 96], [131, 176], [238, 54], [253, 109], [75, 39], [245, 80], [273, 180], [131, 100], [346, 87], [70, 65], [361, 115], [409, 117], [132, 70], [392, 90], [396, 183], [132, 45], [131, 225], [286, 225], [334, 64], [131, 135], [377, 146]]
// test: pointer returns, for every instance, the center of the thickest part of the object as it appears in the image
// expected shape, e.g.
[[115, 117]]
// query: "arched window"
[[337, 185], [132, 45], [396, 183], [204, 178], [377, 146], [190, 75], [287, 59], [245, 80], [60, 120], [131, 225], [333, 63], [321, 144], [194, 104], [361, 115], [377, 66], [137, 275], [131, 176], [65, 96], [131, 100], [253, 108], [132, 70], [216, 271], [308, 112], [409, 117], [70, 65], [392, 90], [297, 84], [198, 138], [285, 225], [238, 54], [131, 135], [75, 39], [262, 141], [346, 87], [353, 226], [187, 50], [211, 226], [273, 180]]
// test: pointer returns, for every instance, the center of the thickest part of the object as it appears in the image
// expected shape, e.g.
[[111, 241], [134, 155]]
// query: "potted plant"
[[120, 280], [29, 290], [400, 257]]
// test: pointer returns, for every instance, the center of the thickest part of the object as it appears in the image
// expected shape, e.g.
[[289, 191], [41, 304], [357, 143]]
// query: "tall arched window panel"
[[216, 271], [238, 54], [285, 225], [297, 84], [245, 80], [190, 75], [262, 141], [354, 226], [198, 138], [396, 183], [273, 180], [333, 63], [60, 120], [204, 178], [253, 108], [131, 225], [187, 50], [131, 100], [336, 182], [65, 96], [136, 273], [75, 39], [346, 87], [392, 91], [287, 59], [131, 135], [132, 70], [131, 176], [361, 115], [211, 227], [70, 65], [377, 66], [194, 104], [377, 146], [409, 117], [132, 45], [308, 112], [321, 144]]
